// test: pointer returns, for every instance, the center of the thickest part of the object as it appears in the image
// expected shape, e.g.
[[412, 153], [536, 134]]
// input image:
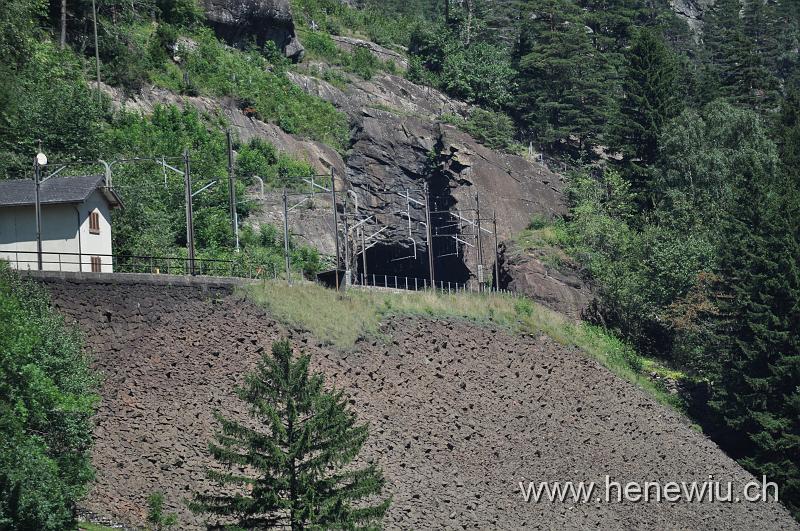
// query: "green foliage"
[[757, 334], [46, 99], [180, 12], [276, 169], [298, 457], [219, 71], [360, 60], [153, 220], [495, 129], [378, 22], [565, 83], [155, 513], [650, 98], [47, 397], [479, 73]]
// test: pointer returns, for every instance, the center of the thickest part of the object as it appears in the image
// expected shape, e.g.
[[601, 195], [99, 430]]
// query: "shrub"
[[495, 129], [47, 397], [155, 513]]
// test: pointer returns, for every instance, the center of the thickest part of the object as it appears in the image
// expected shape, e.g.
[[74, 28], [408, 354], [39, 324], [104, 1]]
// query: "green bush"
[[219, 71], [155, 513], [47, 397], [494, 129]]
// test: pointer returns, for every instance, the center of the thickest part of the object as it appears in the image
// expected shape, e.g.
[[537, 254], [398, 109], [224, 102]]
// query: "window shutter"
[[94, 222]]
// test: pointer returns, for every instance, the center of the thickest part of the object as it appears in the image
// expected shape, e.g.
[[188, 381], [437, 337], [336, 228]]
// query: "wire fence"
[[400, 283], [112, 263]]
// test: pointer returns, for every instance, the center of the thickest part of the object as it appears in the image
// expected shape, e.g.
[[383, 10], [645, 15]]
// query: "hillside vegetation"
[[684, 188]]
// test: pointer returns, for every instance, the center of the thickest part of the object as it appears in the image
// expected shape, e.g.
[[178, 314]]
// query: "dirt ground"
[[460, 414]]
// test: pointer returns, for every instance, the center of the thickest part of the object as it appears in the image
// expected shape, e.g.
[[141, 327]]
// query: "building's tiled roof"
[[58, 189]]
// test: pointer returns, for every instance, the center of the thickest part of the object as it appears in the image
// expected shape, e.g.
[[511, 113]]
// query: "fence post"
[[395, 282], [406, 283], [385, 281]]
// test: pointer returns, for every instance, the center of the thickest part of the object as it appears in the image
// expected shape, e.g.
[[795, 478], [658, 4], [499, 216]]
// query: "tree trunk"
[[63, 24]]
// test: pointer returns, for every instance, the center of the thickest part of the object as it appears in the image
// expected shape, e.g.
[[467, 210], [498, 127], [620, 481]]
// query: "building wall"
[[67, 244]]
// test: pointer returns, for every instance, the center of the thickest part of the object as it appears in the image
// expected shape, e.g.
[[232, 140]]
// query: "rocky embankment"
[[459, 415]]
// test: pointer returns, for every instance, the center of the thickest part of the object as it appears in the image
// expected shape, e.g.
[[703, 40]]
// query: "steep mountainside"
[[398, 141]]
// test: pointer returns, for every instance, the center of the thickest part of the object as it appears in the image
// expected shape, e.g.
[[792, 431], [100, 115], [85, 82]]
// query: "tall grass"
[[343, 319]]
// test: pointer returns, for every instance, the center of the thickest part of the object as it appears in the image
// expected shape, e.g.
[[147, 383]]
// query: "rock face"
[[238, 21], [692, 11], [384, 54], [399, 143], [459, 414], [561, 290]]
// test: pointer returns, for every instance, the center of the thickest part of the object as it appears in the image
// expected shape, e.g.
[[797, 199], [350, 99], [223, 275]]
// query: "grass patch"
[[341, 320], [88, 526]]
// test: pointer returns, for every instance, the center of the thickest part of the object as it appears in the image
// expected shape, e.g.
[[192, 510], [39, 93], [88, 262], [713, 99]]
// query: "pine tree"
[[758, 393], [650, 97], [740, 52], [564, 83], [302, 462]]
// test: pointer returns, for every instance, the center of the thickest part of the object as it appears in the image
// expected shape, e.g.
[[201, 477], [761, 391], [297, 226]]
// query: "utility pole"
[[187, 185], [96, 49], [496, 255], [335, 224], [346, 247], [286, 236], [428, 233], [364, 252], [37, 176], [480, 247], [232, 190]]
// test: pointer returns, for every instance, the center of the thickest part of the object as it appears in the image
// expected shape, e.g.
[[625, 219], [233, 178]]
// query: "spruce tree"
[[299, 462], [758, 392], [565, 83], [741, 51], [650, 97]]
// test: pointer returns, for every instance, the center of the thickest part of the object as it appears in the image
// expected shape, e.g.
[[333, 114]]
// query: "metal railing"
[[241, 268], [400, 283], [166, 265]]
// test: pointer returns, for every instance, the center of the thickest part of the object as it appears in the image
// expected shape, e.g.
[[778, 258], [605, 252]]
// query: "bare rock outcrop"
[[692, 12], [561, 289], [399, 142], [239, 21]]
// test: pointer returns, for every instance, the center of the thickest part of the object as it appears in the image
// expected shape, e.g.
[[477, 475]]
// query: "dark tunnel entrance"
[[397, 259]]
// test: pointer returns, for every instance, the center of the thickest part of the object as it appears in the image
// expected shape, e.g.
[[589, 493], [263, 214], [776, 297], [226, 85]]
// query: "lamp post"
[[38, 161]]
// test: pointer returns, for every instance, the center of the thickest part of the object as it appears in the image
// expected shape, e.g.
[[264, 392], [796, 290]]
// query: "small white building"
[[76, 223]]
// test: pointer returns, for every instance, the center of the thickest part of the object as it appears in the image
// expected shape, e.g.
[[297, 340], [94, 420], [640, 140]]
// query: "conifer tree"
[[301, 461], [758, 394], [565, 84], [740, 52], [650, 97]]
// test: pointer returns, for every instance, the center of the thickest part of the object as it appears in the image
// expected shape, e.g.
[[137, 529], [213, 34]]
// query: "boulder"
[[239, 21], [692, 12], [561, 289]]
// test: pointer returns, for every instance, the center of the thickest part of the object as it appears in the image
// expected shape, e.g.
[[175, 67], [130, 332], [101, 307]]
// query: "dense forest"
[[684, 149]]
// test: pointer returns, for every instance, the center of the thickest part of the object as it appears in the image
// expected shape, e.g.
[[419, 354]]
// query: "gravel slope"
[[460, 414]]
